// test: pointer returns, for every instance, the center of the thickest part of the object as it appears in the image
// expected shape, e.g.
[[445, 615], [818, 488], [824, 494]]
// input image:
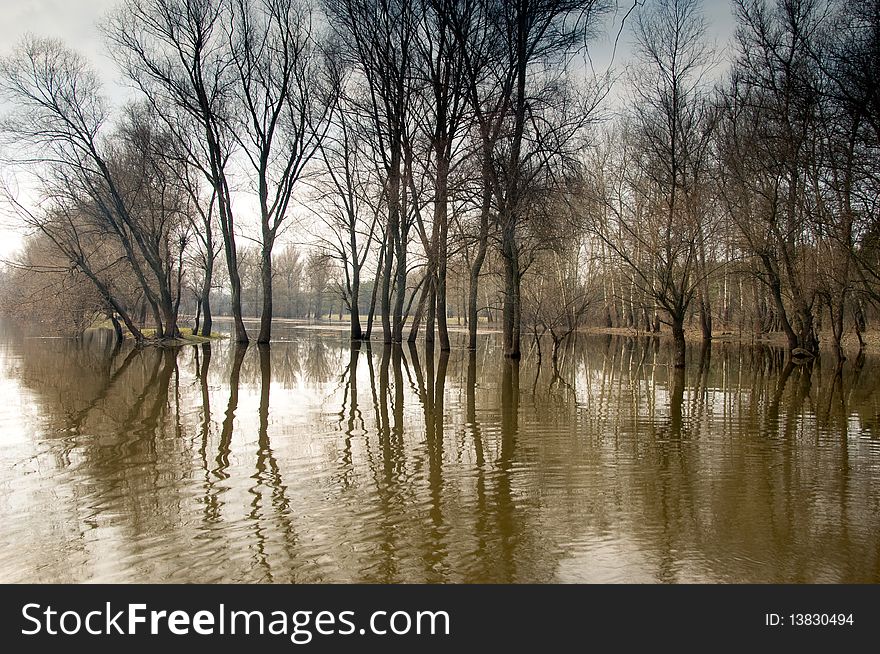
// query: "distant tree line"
[[402, 164]]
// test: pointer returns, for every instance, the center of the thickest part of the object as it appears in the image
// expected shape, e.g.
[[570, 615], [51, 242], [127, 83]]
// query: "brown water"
[[311, 461]]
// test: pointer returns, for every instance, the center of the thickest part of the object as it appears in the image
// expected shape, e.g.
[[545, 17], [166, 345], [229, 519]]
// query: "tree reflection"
[[268, 478], [354, 421], [427, 466], [506, 522], [213, 504], [203, 367]]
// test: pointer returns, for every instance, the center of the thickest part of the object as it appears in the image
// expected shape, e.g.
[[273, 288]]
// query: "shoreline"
[[773, 339]]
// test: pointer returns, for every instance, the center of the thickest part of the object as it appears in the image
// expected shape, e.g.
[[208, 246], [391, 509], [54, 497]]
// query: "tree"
[[662, 227], [94, 180], [772, 97], [285, 102], [440, 63], [378, 42], [534, 33], [41, 290], [348, 207], [176, 52]]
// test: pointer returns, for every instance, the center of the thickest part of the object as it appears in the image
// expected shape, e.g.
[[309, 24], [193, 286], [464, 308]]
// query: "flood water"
[[316, 461]]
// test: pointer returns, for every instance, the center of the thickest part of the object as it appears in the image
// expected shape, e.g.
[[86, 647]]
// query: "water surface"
[[316, 461]]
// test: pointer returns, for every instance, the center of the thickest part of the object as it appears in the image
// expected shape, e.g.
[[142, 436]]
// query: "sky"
[[73, 21], [76, 22]]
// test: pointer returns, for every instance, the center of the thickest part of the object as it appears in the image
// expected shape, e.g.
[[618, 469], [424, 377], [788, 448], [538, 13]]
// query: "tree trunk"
[[207, 316], [355, 288], [473, 283], [117, 328], [266, 282], [355, 316], [417, 316], [235, 291], [860, 323], [372, 312], [169, 311], [806, 334], [705, 317], [386, 289], [400, 290], [157, 319], [837, 328], [195, 328], [431, 308], [678, 342], [441, 219], [776, 293], [512, 313], [482, 244]]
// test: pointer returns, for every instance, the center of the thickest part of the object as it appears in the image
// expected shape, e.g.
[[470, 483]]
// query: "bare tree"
[[112, 181], [772, 94], [441, 117], [533, 33], [379, 36], [176, 52], [661, 226], [286, 100], [348, 207]]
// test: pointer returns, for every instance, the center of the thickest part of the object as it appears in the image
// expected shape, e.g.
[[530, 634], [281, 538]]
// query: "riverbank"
[[186, 337], [776, 339]]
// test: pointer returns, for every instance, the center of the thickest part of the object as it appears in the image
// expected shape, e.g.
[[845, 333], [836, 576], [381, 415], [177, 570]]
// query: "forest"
[[414, 167]]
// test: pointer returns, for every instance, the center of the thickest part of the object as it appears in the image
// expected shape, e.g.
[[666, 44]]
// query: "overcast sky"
[[75, 21]]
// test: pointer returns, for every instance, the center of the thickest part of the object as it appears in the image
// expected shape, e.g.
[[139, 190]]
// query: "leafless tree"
[[97, 183], [662, 225], [177, 53], [348, 205], [285, 98], [379, 37]]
